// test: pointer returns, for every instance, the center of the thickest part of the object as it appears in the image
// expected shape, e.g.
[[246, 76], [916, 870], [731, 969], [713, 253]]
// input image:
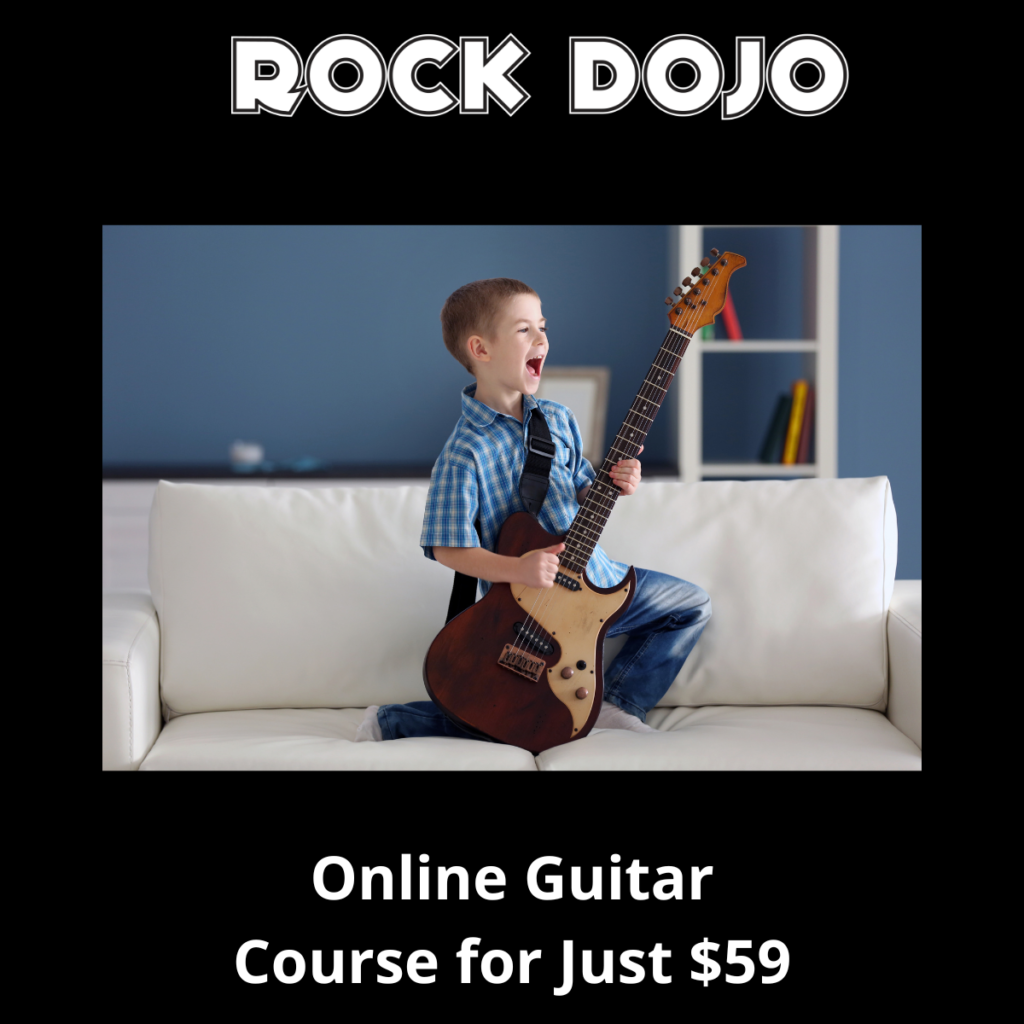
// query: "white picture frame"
[[584, 390]]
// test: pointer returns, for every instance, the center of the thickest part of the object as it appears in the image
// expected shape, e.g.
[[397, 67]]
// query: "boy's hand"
[[539, 567], [625, 474]]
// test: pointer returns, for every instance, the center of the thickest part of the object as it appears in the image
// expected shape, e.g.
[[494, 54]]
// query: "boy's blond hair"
[[471, 310]]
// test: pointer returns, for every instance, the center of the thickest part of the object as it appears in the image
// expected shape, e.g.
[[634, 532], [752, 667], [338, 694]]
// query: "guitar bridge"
[[522, 664]]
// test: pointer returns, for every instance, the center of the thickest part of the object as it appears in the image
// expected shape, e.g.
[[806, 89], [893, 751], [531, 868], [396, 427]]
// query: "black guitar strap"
[[533, 489]]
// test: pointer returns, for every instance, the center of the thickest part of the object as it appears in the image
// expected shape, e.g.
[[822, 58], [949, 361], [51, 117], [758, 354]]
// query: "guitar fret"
[[604, 503], [588, 511], [605, 495], [576, 549], [620, 451], [590, 516], [591, 540], [606, 507]]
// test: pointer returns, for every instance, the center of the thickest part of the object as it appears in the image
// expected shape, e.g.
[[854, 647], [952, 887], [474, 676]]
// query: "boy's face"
[[512, 355]]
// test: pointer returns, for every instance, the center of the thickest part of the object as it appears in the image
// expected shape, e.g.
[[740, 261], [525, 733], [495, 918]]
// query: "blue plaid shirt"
[[478, 471]]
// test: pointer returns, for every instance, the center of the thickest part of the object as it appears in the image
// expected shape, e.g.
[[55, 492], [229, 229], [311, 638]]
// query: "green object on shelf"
[[708, 332], [771, 450]]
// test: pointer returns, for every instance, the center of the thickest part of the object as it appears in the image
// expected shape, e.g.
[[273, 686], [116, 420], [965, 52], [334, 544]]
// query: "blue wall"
[[880, 370], [325, 341]]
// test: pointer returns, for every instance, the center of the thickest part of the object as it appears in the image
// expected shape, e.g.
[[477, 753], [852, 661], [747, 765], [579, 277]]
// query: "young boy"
[[495, 329]]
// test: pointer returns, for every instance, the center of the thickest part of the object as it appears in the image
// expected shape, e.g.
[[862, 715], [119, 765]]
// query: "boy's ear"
[[478, 348]]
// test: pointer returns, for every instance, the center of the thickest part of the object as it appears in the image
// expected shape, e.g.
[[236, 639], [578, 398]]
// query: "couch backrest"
[[287, 597], [800, 574]]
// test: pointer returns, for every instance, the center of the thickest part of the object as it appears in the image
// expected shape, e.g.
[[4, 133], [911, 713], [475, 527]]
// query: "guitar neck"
[[586, 528]]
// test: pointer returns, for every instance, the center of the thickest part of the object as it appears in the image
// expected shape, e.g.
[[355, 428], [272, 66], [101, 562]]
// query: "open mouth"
[[533, 366]]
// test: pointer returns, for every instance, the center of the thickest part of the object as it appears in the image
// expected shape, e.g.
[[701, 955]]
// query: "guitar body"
[[496, 668]]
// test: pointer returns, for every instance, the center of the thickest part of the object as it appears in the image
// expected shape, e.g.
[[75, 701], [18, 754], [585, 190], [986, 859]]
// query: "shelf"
[[816, 341], [734, 469], [759, 346]]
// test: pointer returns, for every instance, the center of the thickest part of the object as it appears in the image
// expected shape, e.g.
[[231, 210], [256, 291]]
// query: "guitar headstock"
[[702, 295]]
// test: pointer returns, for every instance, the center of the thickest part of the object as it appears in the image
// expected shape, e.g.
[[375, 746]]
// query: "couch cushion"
[[313, 738], [744, 738], [800, 574], [286, 597]]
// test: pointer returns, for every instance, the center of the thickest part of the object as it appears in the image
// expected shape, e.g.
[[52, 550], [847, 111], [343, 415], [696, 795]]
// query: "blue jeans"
[[663, 622]]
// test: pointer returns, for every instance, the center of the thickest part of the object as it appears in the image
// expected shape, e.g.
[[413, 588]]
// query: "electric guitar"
[[524, 665]]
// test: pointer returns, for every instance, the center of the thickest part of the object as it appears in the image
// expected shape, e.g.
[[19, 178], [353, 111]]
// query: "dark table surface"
[[224, 471]]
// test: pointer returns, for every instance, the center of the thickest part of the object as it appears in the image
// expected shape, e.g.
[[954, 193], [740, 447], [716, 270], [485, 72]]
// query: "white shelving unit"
[[820, 348]]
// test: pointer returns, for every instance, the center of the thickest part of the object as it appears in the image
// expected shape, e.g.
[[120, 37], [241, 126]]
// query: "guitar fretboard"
[[586, 528]]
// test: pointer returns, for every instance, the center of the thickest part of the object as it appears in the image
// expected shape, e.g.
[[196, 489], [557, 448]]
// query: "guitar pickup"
[[534, 637], [566, 581], [522, 664]]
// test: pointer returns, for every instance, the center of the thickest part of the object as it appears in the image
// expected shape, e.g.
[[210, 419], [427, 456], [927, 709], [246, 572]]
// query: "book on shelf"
[[796, 419], [791, 428], [771, 449], [731, 320], [803, 452]]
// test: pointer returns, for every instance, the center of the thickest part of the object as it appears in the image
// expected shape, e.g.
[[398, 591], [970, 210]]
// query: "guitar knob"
[[669, 301], [567, 672], [687, 281], [582, 692], [704, 262], [695, 272], [714, 252]]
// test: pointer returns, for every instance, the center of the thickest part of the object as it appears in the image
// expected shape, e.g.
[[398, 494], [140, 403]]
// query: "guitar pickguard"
[[575, 618]]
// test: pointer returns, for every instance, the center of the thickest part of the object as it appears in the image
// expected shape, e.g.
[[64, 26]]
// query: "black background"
[[833, 865], [174, 152], [837, 867]]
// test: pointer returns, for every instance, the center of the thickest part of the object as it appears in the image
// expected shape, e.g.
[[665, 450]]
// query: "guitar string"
[[691, 316]]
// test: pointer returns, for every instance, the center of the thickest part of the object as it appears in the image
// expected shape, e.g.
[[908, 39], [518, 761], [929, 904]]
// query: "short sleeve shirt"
[[477, 475]]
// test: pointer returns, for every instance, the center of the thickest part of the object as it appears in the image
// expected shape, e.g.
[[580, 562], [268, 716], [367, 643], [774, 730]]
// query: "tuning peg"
[[714, 252], [677, 291], [695, 271], [687, 282], [704, 262], [669, 301]]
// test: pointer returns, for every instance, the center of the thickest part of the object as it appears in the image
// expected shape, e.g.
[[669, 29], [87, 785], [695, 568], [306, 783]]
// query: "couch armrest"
[[904, 630], [131, 679]]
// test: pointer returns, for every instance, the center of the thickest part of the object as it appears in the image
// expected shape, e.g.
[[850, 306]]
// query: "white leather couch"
[[279, 614]]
